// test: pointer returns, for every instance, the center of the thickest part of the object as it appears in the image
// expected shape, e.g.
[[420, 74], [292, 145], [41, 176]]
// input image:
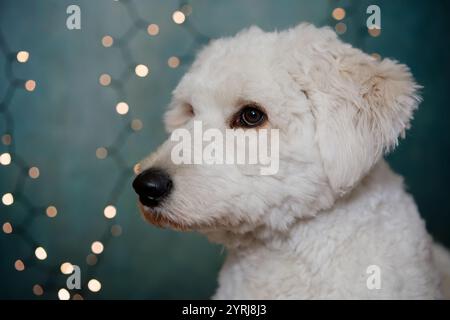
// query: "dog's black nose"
[[152, 186]]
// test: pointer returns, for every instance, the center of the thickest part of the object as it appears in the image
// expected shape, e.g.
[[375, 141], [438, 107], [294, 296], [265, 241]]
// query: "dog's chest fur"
[[329, 256]]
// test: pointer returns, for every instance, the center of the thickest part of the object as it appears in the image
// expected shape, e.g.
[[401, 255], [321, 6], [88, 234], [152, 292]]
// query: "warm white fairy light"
[[51, 211], [38, 290], [376, 56], [6, 139], [8, 199], [141, 70], [30, 85], [66, 268], [22, 56], [178, 17], [5, 159], [77, 296], [63, 294], [338, 14], [7, 228], [105, 79], [153, 29], [122, 108], [110, 211], [97, 247], [101, 153], [40, 253], [94, 285], [374, 32], [136, 124], [33, 172], [340, 28], [173, 62], [107, 41], [19, 265]]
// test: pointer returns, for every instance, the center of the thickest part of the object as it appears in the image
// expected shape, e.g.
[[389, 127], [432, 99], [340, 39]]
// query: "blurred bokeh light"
[[79, 109]]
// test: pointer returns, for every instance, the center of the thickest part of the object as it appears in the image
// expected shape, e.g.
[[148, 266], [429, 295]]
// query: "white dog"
[[334, 221]]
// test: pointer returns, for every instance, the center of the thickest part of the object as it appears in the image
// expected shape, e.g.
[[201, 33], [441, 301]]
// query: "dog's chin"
[[156, 217]]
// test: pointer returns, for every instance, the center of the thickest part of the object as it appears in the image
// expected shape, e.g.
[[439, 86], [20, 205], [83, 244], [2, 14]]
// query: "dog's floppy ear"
[[361, 106]]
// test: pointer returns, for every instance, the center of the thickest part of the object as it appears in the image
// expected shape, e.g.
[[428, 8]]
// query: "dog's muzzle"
[[152, 186]]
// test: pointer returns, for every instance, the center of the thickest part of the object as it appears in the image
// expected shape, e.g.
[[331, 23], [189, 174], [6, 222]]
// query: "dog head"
[[337, 110]]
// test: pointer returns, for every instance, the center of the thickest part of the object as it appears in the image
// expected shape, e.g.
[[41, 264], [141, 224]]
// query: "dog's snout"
[[152, 186]]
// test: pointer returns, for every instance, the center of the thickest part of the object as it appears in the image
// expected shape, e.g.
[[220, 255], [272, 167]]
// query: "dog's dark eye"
[[189, 109], [249, 116]]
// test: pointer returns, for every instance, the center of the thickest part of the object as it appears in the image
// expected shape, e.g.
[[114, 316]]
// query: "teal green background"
[[59, 126]]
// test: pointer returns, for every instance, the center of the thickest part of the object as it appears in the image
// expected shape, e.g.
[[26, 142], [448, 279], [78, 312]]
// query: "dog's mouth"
[[156, 217], [159, 217]]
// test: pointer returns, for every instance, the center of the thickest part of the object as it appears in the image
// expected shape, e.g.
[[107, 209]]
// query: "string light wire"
[[53, 287]]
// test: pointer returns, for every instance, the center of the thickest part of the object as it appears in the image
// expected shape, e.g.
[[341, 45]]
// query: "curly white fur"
[[334, 208]]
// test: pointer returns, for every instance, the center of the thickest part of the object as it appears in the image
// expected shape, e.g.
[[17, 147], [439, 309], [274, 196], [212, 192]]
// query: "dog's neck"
[[329, 255], [289, 260]]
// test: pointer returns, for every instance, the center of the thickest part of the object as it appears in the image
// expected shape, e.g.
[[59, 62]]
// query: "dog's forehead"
[[230, 67]]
